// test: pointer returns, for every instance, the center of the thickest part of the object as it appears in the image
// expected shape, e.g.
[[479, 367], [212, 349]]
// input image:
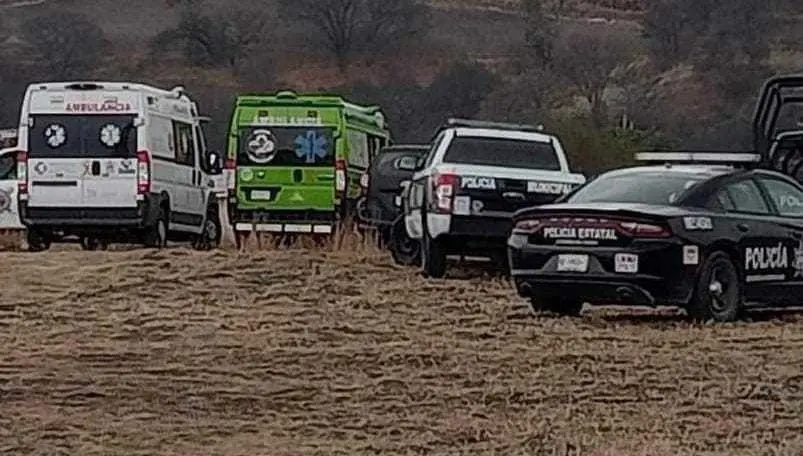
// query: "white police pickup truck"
[[476, 175]]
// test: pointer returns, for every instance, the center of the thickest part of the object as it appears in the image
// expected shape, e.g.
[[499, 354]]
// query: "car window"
[[746, 197], [787, 197], [513, 153], [637, 187], [434, 149], [722, 201]]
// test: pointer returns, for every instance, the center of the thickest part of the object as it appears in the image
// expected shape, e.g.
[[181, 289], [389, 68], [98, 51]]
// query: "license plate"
[[572, 263], [261, 194], [626, 263]]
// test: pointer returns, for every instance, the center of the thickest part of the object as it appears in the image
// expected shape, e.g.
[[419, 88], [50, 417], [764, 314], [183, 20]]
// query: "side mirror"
[[407, 164], [213, 162]]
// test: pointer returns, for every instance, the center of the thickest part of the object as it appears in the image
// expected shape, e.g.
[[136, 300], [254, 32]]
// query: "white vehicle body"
[[464, 205], [9, 214], [103, 158]]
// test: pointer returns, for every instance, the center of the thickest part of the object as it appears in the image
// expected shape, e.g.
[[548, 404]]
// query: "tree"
[[351, 27], [65, 45], [542, 22], [217, 37], [733, 47], [588, 59], [667, 27], [731, 38]]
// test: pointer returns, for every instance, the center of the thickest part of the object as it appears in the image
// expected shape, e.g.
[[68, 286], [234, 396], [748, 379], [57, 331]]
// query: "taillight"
[[143, 172], [230, 172], [340, 175], [22, 172], [644, 230], [364, 179], [444, 188], [527, 226]]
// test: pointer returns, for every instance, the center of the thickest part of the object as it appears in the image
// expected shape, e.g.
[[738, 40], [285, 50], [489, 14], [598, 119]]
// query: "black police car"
[[380, 205], [705, 237]]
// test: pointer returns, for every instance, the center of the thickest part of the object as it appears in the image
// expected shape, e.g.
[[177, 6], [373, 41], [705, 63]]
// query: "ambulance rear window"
[[82, 136]]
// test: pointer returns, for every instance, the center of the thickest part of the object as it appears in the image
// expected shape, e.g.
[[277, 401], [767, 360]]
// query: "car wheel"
[[562, 307], [156, 235], [37, 242], [433, 258], [209, 238], [718, 292], [404, 250]]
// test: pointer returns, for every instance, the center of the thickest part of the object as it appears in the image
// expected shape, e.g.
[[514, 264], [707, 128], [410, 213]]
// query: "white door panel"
[[56, 182], [9, 216], [114, 186]]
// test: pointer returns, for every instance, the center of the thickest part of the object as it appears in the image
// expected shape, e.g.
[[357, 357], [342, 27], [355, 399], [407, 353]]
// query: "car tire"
[[404, 250], [433, 257], [210, 235], [156, 234], [562, 307], [717, 294], [37, 242]]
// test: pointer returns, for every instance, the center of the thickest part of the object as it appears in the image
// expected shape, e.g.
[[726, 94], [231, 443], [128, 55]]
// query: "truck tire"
[[156, 234], [404, 250], [37, 241], [210, 235], [433, 258]]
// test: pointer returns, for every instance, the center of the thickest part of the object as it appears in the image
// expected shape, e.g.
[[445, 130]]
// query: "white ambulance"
[[103, 162]]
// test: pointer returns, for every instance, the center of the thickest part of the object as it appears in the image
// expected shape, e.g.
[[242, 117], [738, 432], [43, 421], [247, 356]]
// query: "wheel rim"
[[720, 287]]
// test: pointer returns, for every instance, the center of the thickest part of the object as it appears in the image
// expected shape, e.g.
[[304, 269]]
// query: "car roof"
[[406, 148], [701, 171]]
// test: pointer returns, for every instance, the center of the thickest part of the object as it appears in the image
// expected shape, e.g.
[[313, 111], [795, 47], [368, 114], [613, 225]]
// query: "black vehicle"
[[380, 207], [713, 233]]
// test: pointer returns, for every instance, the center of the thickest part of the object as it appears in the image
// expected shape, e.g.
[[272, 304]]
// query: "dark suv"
[[379, 208]]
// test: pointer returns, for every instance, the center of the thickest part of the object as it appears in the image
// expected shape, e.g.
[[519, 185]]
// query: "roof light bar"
[[700, 157]]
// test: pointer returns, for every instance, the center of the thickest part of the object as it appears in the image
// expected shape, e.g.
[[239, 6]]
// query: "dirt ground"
[[295, 352]]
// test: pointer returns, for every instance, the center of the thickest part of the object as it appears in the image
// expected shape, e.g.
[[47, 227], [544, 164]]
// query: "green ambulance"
[[294, 161]]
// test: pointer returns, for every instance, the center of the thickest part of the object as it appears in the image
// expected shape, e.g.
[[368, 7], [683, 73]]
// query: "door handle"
[[743, 227]]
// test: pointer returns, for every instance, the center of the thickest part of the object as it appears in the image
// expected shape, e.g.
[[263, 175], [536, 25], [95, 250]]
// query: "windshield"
[[643, 188], [512, 153], [286, 146], [90, 136]]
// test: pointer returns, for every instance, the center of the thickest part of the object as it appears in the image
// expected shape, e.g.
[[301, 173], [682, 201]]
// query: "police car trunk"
[[79, 157]]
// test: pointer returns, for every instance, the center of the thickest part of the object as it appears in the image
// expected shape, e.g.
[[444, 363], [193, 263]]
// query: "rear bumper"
[[138, 216], [661, 277], [287, 228], [480, 227], [316, 222]]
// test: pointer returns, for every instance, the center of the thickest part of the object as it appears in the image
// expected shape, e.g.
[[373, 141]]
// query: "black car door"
[[764, 248], [787, 200], [386, 174]]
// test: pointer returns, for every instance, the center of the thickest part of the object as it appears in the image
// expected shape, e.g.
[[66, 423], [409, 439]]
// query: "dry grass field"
[[296, 352]]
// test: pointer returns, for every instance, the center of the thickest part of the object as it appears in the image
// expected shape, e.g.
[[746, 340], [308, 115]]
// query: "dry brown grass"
[[298, 351]]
